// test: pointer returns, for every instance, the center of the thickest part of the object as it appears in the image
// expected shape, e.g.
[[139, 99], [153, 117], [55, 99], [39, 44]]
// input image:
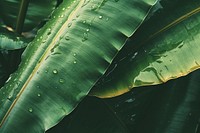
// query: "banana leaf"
[[63, 62], [172, 107], [165, 47]]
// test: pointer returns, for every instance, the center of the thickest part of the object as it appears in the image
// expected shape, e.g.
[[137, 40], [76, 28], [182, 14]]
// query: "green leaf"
[[172, 107], [9, 41], [3, 73], [37, 11], [11, 48], [9, 61], [91, 116], [164, 48], [69, 54]]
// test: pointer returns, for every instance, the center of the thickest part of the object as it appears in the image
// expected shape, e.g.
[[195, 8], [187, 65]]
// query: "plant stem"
[[21, 16]]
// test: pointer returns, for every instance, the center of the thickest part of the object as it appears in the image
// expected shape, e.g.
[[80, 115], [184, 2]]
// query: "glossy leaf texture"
[[172, 107], [9, 61], [9, 41], [69, 54], [37, 11], [11, 48], [164, 48]]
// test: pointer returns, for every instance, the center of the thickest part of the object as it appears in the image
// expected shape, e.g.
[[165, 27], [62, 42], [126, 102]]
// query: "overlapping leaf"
[[166, 47], [172, 107], [65, 60]]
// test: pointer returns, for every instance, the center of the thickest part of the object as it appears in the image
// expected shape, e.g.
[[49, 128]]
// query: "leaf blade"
[[162, 51], [63, 55]]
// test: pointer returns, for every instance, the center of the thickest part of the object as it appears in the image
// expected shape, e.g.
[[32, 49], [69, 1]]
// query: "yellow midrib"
[[46, 53], [180, 19]]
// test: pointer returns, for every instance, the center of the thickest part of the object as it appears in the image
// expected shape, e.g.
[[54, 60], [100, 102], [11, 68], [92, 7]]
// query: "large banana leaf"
[[172, 107], [38, 10], [64, 61], [164, 48]]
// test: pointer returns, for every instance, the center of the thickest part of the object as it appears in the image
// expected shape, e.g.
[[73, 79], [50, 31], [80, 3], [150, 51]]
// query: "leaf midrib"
[[172, 24], [44, 56]]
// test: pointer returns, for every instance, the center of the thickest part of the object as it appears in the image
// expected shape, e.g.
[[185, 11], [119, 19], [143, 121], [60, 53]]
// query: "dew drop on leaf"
[[49, 33], [38, 94], [55, 71], [30, 110], [9, 97], [100, 17], [61, 80], [85, 37], [67, 38], [84, 21], [69, 25]]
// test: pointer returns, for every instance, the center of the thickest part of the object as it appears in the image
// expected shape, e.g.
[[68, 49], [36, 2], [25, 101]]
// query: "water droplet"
[[87, 30], [107, 19], [67, 38], [159, 61], [9, 97], [38, 94], [130, 100], [30, 110], [74, 54], [74, 62], [49, 33], [69, 25], [61, 80], [62, 16], [133, 115], [100, 17], [55, 71], [46, 71], [63, 9], [8, 79], [84, 21], [85, 37]]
